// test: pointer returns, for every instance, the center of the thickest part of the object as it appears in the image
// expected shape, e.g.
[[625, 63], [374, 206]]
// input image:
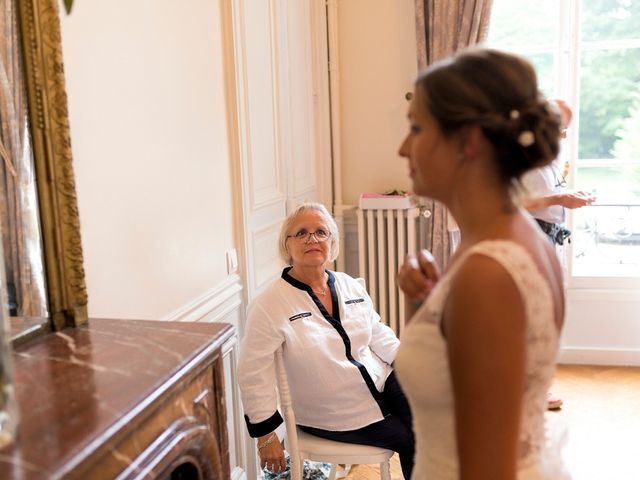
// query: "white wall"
[[377, 48], [601, 326], [149, 138]]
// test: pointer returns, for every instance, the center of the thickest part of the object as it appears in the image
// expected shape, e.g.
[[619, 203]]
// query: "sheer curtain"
[[21, 240], [442, 28]]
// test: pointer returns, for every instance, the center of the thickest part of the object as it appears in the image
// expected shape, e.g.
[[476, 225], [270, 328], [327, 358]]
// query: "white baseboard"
[[213, 305], [600, 356]]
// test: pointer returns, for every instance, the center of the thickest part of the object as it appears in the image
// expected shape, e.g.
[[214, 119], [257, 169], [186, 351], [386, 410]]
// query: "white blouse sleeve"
[[257, 373], [384, 343]]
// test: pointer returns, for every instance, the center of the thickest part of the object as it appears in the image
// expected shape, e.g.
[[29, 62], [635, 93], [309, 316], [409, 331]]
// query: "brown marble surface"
[[78, 387], [24, 329]]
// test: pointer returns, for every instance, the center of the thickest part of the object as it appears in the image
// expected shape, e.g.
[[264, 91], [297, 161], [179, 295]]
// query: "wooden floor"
[[602, 414]]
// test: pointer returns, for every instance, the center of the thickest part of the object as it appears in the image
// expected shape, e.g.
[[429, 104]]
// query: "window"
[[588, 53]]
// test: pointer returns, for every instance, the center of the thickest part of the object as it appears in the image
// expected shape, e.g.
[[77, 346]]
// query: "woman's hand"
[[417, 277], [577, 199], [272, 454]]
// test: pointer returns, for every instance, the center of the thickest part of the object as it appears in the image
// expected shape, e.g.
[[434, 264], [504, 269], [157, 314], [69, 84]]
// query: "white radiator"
[[384, 238]]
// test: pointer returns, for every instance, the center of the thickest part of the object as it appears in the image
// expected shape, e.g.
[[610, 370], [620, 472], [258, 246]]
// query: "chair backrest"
[[289, 417]]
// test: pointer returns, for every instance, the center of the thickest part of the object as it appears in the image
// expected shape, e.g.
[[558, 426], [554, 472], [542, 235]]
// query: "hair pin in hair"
[[514, 114], [526, 138]]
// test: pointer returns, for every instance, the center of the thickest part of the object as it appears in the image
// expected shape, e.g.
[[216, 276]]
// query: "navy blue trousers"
[[394, 432]]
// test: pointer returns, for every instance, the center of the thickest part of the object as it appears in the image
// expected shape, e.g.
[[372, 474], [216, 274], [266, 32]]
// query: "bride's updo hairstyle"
[[498, 92]]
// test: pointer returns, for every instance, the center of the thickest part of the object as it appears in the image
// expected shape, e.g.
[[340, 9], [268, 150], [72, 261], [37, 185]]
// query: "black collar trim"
[[303, 286]]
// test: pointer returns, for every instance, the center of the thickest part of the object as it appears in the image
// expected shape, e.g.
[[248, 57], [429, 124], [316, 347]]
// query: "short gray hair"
[[328, 218]]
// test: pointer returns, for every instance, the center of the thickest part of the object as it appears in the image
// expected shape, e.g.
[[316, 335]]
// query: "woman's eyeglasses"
[[304, 236]]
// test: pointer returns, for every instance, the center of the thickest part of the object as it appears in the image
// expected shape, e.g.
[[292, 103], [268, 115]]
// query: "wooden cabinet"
[[122, 399]]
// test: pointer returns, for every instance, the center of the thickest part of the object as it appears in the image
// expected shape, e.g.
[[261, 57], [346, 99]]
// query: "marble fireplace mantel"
[[121, 399]]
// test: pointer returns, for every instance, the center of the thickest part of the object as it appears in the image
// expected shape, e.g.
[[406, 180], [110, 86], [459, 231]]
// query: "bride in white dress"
[[478, 357]]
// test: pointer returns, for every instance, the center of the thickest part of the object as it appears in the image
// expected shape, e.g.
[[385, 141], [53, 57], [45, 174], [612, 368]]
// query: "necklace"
[[300, 278], [323, 292], [324, 289]]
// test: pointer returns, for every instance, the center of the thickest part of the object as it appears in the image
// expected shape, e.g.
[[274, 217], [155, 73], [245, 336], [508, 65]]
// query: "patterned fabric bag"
[[311, 471]]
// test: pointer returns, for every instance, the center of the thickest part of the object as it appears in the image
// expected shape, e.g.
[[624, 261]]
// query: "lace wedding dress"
[[423, 370]]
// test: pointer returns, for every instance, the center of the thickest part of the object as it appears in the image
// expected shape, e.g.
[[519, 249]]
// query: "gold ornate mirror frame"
[[49, 119]]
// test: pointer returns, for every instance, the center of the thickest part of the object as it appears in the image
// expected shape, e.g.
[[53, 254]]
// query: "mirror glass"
[[19, 217]]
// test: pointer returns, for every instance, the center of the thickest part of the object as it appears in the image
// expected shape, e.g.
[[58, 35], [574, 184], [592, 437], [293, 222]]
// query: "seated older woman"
[[337, 354]]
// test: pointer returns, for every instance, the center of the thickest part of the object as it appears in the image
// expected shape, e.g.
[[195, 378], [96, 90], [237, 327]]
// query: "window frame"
[[567, 53]]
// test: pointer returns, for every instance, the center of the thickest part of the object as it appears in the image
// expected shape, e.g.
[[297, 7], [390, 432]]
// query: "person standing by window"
[[547, 199]]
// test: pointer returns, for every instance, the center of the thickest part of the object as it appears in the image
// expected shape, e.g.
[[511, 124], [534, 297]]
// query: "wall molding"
[[265, 268], [600, 356], [321, 100], [213, 305], [261, 198]]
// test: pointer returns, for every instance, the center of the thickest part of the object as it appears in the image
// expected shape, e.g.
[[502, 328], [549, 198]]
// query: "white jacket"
[[335, 366]]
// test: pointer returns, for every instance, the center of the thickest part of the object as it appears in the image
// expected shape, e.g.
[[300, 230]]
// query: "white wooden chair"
[[302, 445]]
